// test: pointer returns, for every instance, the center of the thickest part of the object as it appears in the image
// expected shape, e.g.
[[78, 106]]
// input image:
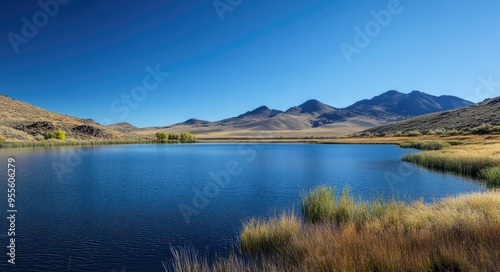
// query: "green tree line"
[[185, 137]]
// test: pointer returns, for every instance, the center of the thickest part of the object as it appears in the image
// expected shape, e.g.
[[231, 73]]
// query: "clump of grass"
[[345, 209], [492, 176], [469, 165], [260, 236], [319, 204], [425, 145]]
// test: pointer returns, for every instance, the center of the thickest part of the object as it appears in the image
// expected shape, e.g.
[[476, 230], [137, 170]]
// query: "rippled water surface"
[[120, 208]]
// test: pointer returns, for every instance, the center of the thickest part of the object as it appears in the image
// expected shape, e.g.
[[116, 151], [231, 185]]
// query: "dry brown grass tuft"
[[259, 236]]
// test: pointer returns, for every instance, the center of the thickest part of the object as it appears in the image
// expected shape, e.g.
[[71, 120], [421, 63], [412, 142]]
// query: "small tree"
[[173, 137], [187, 137], [2, 138], [161, 136]]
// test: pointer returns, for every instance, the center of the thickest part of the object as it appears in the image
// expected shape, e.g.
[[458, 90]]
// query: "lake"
[[120, 208]]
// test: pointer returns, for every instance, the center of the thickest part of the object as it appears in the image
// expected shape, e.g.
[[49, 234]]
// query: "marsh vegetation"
[[341, 234]]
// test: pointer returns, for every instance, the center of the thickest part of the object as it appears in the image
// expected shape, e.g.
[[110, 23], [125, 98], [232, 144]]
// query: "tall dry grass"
[[470, 165], [268, 236], [425, 145], [473, 160], [455, 234]]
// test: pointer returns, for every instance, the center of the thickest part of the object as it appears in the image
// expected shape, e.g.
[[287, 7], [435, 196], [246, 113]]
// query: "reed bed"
[[455, 234], [466, 165], [425, 145], [492, 176]]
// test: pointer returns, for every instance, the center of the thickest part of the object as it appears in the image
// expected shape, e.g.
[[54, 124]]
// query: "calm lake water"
[[120, 208]]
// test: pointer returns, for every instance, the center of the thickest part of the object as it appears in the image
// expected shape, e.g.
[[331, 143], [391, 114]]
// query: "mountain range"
[[22, 121], [317, 118]]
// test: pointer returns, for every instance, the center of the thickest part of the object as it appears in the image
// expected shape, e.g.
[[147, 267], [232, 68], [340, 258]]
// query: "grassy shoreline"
[[397, 140], [336, 233], [59, 143], [480, 161], [76, 143]]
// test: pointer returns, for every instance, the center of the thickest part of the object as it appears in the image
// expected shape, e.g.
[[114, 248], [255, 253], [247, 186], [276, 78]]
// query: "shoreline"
[[455, 140]]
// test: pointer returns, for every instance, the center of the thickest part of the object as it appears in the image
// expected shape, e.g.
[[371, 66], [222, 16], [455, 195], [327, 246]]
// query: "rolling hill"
[[23, 121], [123, 127], [462, 119]]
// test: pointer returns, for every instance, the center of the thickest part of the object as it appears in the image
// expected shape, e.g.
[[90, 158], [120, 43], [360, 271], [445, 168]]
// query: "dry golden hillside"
[[462, 119], [22, 121]]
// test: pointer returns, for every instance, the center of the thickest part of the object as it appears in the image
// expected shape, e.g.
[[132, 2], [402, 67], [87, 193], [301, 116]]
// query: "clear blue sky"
[[275, 53]]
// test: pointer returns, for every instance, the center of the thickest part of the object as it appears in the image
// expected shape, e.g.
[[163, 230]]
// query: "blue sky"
[[85, 58]]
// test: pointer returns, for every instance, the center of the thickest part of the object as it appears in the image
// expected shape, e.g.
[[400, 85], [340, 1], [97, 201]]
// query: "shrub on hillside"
[[485, 129], [2, 139], [398, 133], [56, 134], [413, 133], [452, 132], [440, 131]]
